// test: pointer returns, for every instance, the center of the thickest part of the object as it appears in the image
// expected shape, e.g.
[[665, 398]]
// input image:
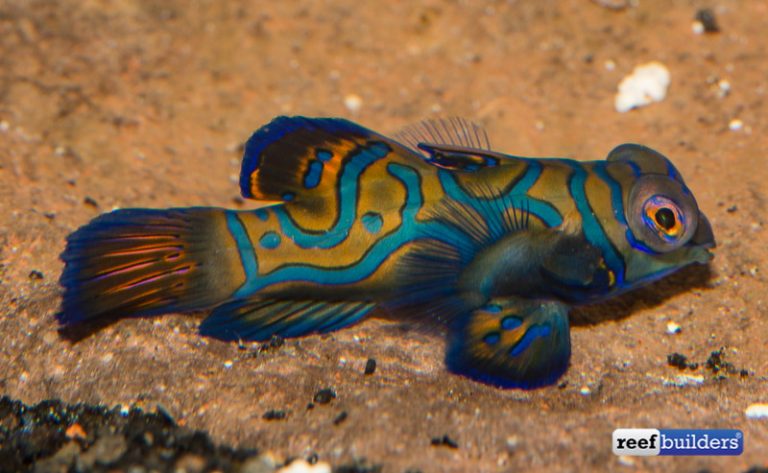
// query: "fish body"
[[432, 223]]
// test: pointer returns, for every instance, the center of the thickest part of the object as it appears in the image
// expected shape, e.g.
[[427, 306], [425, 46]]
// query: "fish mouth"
[[702, 241], [701, 255], [704, 237]]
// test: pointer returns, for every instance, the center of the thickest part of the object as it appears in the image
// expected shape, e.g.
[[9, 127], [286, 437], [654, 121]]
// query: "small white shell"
[[757, 411], [647, 84]]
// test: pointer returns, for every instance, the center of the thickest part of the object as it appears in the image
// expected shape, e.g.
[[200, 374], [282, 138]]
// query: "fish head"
[[666, 230]]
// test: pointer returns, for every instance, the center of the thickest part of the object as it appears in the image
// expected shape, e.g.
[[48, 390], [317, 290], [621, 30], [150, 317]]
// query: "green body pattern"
[[433, 223]]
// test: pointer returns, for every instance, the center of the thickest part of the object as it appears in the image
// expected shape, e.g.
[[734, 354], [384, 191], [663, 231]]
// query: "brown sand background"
[[132, 103]]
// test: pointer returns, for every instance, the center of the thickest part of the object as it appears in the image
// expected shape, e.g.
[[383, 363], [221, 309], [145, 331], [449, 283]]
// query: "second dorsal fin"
[[304, 160]]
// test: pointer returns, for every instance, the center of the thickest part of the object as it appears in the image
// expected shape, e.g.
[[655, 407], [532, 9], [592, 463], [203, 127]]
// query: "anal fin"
[[512, 343], [259, 319]]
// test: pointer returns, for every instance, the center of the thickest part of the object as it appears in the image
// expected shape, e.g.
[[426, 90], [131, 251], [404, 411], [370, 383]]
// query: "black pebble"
[[680, 361], [716, 362], [90, 201], [324, 396], [677, 360], [35, 275], [340, 418], [274, 414], [313, 458], [444, 441], [370, 366], [707, 18]]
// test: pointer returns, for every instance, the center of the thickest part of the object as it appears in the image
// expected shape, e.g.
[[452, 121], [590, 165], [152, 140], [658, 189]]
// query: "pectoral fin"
[[576, 265], [512, 343]]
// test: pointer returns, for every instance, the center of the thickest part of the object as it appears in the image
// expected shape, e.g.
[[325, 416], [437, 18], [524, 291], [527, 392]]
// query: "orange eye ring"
[[664, 217], [661, 214]]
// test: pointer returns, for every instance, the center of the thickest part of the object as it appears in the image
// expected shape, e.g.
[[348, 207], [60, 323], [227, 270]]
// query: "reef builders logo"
[[651, 442]]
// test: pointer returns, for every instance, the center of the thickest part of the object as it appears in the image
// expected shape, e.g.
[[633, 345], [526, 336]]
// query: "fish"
[[430, 223]]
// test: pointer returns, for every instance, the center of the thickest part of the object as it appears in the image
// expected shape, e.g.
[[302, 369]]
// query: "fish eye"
[[664, 217], [662, 214]]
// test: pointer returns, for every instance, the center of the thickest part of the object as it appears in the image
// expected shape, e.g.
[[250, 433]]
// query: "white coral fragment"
[[647, 84]]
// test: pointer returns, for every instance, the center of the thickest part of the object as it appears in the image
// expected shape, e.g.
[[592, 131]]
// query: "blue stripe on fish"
[[323, 155], [593, 231], [372, 221], [244, 246], [408, 231], [347, 202], [546, 212], [313, 175], [618, 206], [534, 332], [270, 240]]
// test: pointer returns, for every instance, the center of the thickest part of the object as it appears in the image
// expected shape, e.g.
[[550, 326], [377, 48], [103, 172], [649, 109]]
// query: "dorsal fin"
[[452, 131], [455, 144], [300, 159], [457, 158]]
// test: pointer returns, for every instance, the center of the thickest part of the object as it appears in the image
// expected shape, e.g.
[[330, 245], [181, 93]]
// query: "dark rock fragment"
[[444, 441], [324, 396], [679, 360], [706, 17], [340, 418], [717, 363], [274, 414]]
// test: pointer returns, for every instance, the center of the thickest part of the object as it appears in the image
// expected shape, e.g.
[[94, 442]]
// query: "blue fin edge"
[[457, 365]]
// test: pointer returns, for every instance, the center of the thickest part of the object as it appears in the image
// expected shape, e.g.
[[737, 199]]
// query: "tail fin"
[[138, 262]]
